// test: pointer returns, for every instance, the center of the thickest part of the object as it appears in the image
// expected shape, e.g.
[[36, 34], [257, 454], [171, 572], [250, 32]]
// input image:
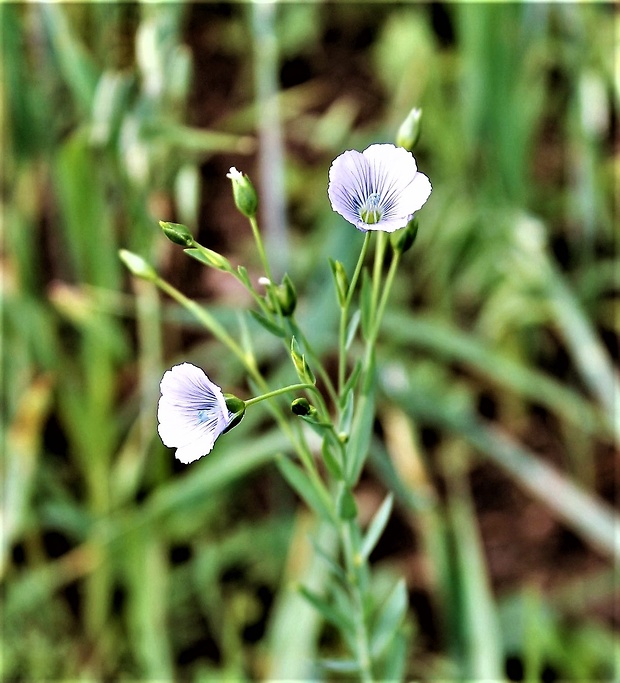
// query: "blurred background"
[[496, 421]]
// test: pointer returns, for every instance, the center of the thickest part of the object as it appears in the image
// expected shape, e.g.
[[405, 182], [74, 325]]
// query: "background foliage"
[[496, 420]]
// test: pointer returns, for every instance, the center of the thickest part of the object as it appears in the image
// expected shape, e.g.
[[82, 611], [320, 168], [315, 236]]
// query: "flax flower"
[[377, 189], [192, 412]]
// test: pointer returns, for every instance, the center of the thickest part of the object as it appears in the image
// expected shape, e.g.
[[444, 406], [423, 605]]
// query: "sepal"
[[236, 406]]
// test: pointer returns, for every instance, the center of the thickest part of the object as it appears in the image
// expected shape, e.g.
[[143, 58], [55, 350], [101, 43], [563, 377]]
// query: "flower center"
[[370, 211]]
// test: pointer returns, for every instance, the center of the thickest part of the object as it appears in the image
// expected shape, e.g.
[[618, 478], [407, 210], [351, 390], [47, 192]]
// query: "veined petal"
[[191, 412], [378, 189]]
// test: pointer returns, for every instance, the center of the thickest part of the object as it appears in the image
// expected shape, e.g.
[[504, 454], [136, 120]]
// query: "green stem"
[[209, 322], [344, 314], [261, 248], [377, 268], [377, 317], [278, 392], [355, 570], [248, 362], [378, 313]]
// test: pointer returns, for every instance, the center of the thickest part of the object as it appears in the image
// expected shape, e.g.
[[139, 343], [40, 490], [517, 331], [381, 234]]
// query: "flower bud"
[[177, 233], [405, 238], [304, 372], [137, 265], [410, 129], [235, 406], [244, 193], [287, 296], [341, 280]]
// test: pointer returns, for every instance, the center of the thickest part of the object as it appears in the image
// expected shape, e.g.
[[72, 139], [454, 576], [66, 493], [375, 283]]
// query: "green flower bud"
[[341, 279], [237, 407], [244, 193], [287, 296], [405, 238], [177, 233], [304, 372], [137, 265], [410, 129]]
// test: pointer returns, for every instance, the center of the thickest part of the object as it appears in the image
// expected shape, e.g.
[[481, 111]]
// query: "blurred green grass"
[[498, 347]]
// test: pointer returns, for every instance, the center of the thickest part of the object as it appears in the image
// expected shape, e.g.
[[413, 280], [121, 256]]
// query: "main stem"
[[356, 580]]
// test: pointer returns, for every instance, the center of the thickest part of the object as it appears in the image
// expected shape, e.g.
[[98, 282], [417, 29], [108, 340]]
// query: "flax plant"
[[378, 191]]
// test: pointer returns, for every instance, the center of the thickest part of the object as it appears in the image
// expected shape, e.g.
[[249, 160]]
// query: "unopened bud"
[[137, 265], [410, 129], [177, 233], [244, 193], [287, 296], [304, 372], [341, 280], [405, 238]]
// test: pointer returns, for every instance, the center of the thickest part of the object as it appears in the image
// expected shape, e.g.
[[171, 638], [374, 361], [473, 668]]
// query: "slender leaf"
[[377, 526]]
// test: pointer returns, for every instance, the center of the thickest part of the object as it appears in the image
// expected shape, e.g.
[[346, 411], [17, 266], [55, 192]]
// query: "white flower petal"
[[195, 450], [378, 189], [191, 412]]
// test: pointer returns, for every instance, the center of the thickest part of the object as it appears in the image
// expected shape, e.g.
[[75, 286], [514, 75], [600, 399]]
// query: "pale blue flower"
[[192, 412], [377, 189]]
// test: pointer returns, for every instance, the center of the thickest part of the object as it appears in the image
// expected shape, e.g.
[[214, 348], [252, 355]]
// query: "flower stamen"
[[371, 211]]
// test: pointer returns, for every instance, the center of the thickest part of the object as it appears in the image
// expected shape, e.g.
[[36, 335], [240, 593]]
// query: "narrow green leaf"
[[393, 663], [377, 526], [389, 619], [330, 460], [299, 481], [357, 447], [244, 277], [329, 613], [478, 622], [209, 258], [344, 425], [343, 666], [268, 325], [332, 564], [350, 383], [352, 328]]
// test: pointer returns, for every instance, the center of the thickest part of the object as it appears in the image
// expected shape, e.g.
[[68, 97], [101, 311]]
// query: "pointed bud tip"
[[410, 129], [177, 233], [246, 199], [137, 265]]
